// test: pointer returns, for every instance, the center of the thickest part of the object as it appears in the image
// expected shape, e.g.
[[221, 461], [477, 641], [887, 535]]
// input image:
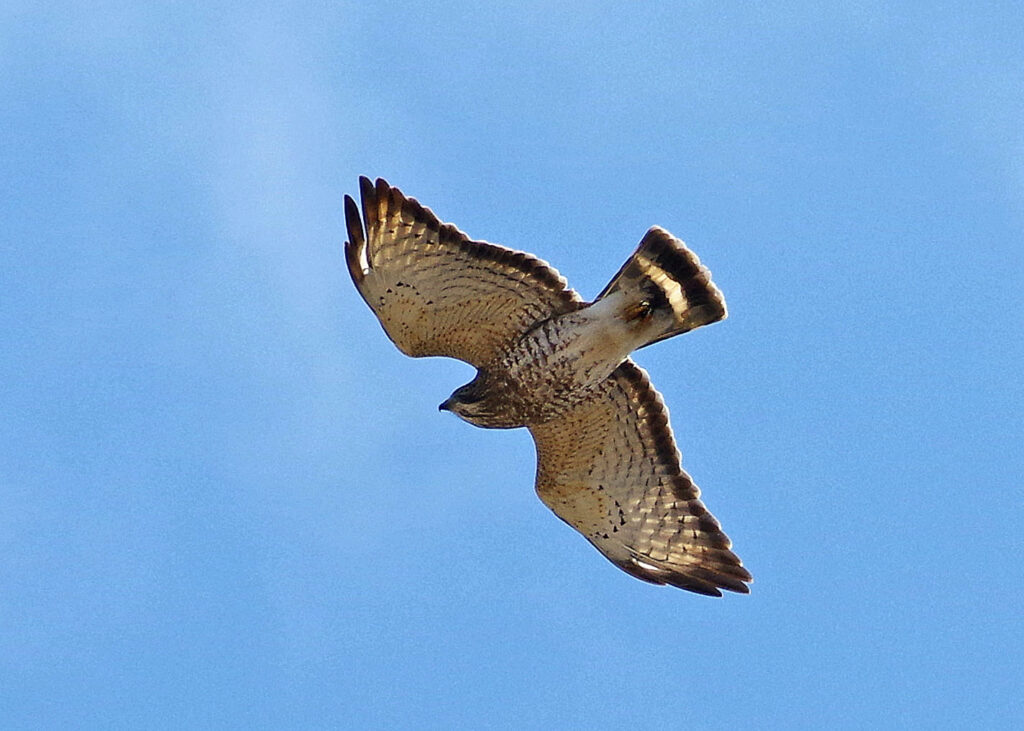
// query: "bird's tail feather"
[[665, 283]]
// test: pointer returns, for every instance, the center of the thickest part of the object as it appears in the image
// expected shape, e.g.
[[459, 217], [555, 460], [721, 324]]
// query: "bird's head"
[[474, 403]]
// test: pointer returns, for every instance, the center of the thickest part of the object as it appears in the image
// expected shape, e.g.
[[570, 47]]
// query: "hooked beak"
[[446, 406]]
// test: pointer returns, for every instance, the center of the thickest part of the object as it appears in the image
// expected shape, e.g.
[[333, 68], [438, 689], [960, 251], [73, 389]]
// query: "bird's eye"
[[469, 397]]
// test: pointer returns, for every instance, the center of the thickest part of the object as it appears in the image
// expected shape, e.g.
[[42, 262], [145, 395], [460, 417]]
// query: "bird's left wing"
[[609, 467], [435, 291]]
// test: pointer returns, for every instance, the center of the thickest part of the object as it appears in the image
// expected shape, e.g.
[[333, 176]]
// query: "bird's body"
[[547, 360], [561, 360], [557, 364]]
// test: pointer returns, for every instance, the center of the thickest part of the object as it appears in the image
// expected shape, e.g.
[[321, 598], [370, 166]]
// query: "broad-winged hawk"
[[607, 462]]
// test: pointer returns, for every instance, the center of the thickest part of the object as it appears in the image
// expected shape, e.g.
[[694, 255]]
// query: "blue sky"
[[226, 500]]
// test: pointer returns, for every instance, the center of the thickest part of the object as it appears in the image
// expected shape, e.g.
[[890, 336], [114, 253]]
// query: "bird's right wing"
[[610, 469], [434, 290]]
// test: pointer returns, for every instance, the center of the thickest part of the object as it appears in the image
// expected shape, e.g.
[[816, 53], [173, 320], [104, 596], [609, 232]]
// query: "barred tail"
[[665, 283]]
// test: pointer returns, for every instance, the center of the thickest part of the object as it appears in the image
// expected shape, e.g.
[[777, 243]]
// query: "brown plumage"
[[607, 462]]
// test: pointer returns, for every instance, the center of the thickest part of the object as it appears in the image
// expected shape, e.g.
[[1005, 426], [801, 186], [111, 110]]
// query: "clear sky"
[[226, 500]]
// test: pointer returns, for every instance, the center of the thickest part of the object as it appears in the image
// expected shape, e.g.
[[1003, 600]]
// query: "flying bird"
[[607, 463]]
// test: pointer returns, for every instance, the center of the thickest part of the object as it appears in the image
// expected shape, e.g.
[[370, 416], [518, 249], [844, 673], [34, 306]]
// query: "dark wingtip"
[[368, 197], [356, 240], [706, 585], [383, 190], [353, 225]]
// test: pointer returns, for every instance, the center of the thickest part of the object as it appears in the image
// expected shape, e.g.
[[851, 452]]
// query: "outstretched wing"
[[435, 291], [611, 470]]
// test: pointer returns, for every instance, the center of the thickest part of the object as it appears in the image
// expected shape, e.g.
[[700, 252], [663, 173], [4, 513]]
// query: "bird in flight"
[[607, 463]]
